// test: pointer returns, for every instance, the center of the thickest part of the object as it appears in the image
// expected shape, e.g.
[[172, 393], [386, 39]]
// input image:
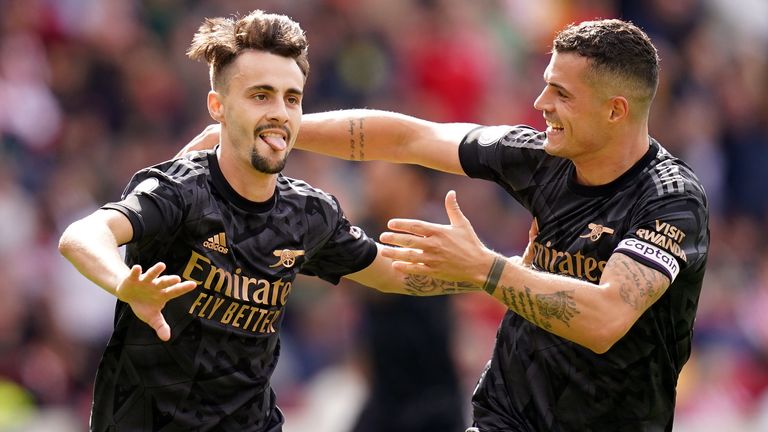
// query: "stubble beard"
[[263, 165]]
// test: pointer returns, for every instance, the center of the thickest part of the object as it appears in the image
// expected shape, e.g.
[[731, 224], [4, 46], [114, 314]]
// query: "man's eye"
[[294, 100], [260, 96]]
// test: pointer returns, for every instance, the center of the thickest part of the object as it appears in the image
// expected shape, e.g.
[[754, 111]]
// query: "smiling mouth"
[[554, 127]]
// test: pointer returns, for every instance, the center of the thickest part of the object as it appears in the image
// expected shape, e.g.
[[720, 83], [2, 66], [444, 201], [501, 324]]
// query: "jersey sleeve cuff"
[[133, 217]]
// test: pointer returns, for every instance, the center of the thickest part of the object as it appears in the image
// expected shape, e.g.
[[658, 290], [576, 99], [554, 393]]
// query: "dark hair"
[[219, 41], [615, 48]]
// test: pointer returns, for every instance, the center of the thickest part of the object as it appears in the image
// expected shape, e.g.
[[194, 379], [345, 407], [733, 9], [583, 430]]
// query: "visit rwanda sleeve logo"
[[286, 257]]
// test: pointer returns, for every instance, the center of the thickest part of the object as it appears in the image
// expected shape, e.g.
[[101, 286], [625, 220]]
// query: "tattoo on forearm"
[[641, 285], [356, 139], [422, 285], [540, 309], [559, 305], [352, 143], [362, 140]]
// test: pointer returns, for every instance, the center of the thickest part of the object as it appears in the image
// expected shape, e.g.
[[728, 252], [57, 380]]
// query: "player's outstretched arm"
[[382, 276], [362, 134], [91, 245], [594, 316], [206, 139]]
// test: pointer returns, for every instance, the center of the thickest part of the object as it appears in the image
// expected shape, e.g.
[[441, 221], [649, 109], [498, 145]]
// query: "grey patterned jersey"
[[214, 373], [655, 213]]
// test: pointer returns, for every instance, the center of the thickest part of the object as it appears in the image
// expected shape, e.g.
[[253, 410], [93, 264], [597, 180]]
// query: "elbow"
[[69, 240], [66, 242], [604, 338], [601, 346]]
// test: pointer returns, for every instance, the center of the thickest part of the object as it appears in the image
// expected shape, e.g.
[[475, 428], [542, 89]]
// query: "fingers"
[[135, 273], [161, 327], [529, 254], [166, 281], [153, 272], [411, 268], [454, 211], [402, 254], [178, 289], [402, 240], [527, 259], [413, 226], [534, 230]]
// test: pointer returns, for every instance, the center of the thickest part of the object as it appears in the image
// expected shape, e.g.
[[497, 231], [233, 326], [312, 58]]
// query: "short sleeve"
[[670, 234], [347, 250], [512, 157], [152, 203]]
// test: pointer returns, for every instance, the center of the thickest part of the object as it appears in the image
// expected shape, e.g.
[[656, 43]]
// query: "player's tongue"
[[275, 141]]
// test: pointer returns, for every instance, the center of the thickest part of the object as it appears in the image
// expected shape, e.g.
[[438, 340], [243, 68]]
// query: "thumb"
[[161, 327], [534, 230], [452, 208]]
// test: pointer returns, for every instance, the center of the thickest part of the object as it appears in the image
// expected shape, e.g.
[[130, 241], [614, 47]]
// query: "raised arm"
[[593, 315], [382, 135], [91, 245], [370, 135]]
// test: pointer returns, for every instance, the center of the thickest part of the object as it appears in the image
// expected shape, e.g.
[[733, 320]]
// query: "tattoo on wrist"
[[422, 285], [494, 274]]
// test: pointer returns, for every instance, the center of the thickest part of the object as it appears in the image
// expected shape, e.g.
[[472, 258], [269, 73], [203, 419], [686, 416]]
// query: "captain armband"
[[494, 274]]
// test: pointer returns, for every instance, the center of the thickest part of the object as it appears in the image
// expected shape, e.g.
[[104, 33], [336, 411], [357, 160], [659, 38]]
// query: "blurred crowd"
[[93, 90]]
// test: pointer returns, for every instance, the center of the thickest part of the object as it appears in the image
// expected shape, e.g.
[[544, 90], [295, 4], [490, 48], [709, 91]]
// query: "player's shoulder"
[[669, 175], [668, 179], [296, 189], [180, 170], [513, 136]]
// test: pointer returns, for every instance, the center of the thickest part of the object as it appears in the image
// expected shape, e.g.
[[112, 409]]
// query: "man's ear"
[[619, 108], [215, 106]]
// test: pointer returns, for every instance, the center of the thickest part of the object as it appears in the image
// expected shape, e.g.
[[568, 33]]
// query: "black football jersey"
[[214, 373], [655, 213]]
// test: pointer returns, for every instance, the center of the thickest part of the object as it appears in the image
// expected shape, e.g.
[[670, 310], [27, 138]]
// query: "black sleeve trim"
[[468, 153], [142, 212]]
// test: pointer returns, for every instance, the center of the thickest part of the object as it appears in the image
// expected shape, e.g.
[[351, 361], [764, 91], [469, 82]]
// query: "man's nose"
[[278, 112]]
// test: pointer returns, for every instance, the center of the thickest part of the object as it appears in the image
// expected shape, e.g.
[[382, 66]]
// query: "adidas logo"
[[217, 243]]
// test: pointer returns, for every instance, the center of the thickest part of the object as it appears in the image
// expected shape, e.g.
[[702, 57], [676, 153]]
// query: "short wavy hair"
[[219, 41], [618, 50]]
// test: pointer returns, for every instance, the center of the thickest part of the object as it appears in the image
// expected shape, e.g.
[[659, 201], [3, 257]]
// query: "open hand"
[[148, 293], [450, 252], [527, 259]]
